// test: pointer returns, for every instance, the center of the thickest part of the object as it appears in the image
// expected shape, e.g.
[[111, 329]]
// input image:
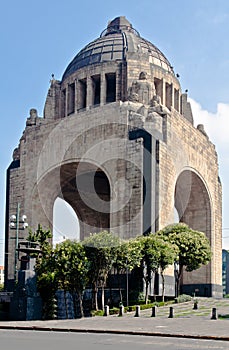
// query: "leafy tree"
[[168, 254], [193, 247], [101, 250], [128, 256], [71, 267], [150, 259]]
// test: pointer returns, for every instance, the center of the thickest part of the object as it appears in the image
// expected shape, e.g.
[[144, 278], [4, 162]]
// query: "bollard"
[[171, 312], [154, 309], [121, 310], [214, 314], [106, 310], [137, 311], [195, 305]]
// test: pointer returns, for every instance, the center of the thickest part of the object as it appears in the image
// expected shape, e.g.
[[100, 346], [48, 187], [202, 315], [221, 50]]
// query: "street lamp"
[[17, 224]]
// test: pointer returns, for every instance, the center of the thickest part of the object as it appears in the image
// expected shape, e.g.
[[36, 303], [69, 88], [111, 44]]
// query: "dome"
[[114, 44]]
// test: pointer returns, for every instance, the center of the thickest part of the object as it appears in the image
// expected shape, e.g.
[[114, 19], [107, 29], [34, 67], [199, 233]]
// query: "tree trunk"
[[95, 296], [102, 296], [147, 291], [119, 286], [179, 278], [80, 303], [163, 286], [103, 293]]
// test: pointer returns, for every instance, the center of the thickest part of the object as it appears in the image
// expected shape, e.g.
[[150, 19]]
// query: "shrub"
[[183, 298]]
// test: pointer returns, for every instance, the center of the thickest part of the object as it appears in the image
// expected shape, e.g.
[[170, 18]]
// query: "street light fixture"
[[15, 222]]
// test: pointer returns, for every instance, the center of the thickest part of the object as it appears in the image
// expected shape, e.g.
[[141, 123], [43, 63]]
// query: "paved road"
[[27, 340]]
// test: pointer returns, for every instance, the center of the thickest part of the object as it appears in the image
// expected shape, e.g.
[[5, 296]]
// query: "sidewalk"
[[190, 325]]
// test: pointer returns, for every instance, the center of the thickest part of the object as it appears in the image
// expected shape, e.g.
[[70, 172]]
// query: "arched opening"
[[65, 222], [87, 190], [192, 202], [193, 206]]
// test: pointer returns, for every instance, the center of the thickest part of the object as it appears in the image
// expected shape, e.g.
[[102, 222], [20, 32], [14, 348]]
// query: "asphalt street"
[[27, 340]]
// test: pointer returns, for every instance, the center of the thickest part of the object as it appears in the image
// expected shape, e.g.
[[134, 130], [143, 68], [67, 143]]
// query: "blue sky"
[[39, 38]]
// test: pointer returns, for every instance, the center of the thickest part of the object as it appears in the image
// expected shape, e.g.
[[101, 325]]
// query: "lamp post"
[[15, 222]]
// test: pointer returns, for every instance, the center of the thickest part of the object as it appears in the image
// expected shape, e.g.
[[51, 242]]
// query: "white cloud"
[[217, 127], [215, 124]]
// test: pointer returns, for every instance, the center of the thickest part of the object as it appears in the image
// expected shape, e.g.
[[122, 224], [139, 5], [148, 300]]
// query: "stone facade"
[[118, 116]]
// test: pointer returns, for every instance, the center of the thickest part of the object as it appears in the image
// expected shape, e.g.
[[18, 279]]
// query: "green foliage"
[[193, 246], [43, 238], [183, 298], [101, 251], [157, 254], [71, 265], [128, 255]]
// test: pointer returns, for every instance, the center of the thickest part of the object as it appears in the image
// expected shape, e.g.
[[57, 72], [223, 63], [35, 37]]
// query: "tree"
[[71, 267], [101, 250], [193, 247], [150, 259], [168, 254], [128, 256]]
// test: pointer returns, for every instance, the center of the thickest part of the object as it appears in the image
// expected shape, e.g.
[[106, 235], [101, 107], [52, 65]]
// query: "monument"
[[117, 142]]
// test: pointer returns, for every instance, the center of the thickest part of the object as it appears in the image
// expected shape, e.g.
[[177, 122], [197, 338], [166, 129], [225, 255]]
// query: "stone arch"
[[193, 204], [192, 201], [84, 186]]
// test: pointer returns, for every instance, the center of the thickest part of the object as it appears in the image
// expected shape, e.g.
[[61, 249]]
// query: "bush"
[[183, 298]]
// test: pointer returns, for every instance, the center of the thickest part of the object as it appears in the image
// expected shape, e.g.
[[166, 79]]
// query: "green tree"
[[194, 248], [168, 254], [150, 259], [71, 270], [101, 250], [128, 256]]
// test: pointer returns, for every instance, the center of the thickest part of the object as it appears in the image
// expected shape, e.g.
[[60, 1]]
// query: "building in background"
[[225, 272]]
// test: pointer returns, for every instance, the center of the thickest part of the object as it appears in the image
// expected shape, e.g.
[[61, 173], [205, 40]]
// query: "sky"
[[40, 38]]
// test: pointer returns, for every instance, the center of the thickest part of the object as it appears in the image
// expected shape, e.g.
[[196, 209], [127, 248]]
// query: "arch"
[[192, 201], [84, 187], [193, 205]]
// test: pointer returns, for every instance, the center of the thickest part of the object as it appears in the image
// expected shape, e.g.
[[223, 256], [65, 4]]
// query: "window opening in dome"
[[71, 98], [82, 94], [158, 87], [96, 84], [176, 99], [63, 102], [168, 95], [111, 87]]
